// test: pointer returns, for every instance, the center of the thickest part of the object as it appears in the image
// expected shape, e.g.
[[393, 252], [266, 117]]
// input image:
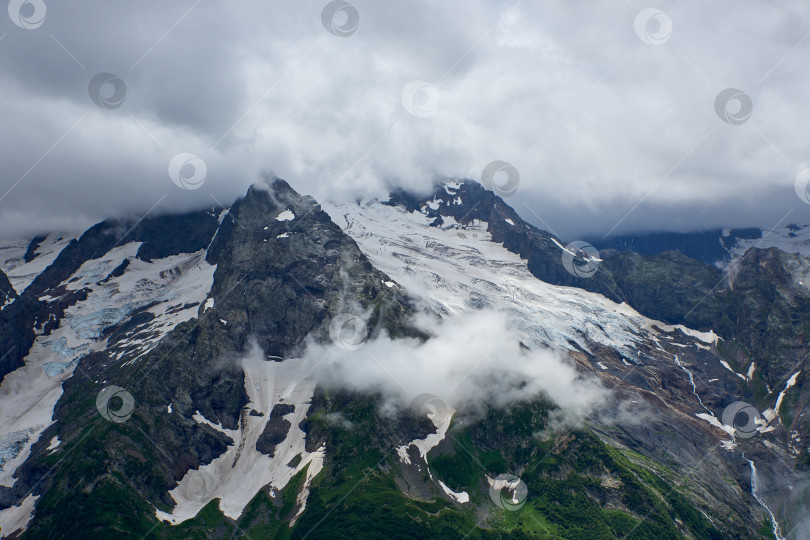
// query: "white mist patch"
[[236, 476], [474, 357]]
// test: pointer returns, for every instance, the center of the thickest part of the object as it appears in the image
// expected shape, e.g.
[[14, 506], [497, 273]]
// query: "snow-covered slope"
[[237, 475], [170, 290], [21, 273], [458, 268]]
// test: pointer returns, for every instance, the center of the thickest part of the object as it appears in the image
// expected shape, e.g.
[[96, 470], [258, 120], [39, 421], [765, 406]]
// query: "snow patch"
[[21, 273], [441, 421], [286, 215], [710, 418], [728, 367], [461, 497], [53, 445], [241, 471], [16, 518], [451, 187]]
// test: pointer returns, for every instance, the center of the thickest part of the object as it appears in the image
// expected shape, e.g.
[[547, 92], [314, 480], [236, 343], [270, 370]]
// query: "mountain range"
[[427, 366]]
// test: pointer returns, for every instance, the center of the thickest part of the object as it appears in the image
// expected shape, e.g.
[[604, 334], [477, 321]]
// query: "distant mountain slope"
[[714, 247]]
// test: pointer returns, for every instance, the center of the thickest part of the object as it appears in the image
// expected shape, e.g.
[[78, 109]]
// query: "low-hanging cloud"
[[471, 360]]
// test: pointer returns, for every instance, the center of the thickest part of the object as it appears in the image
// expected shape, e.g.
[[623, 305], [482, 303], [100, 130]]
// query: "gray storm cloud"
[[611, 128]]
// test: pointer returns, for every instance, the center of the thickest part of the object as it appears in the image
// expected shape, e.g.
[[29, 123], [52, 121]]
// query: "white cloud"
[[471, 360]]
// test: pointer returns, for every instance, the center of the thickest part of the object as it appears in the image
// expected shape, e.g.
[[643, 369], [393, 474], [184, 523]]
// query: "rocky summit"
[[426, 366]]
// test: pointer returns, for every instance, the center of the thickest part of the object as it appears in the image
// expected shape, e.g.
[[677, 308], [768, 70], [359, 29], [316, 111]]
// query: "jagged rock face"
[[283, 271], [761, 313], [16, 328], [283, 267], [709, 247], [669, 287]]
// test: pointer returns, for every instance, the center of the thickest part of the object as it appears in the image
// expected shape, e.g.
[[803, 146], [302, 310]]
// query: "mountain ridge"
[[275, 272]]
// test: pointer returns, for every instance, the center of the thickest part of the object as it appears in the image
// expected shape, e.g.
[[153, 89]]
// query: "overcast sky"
[[608, 112]]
